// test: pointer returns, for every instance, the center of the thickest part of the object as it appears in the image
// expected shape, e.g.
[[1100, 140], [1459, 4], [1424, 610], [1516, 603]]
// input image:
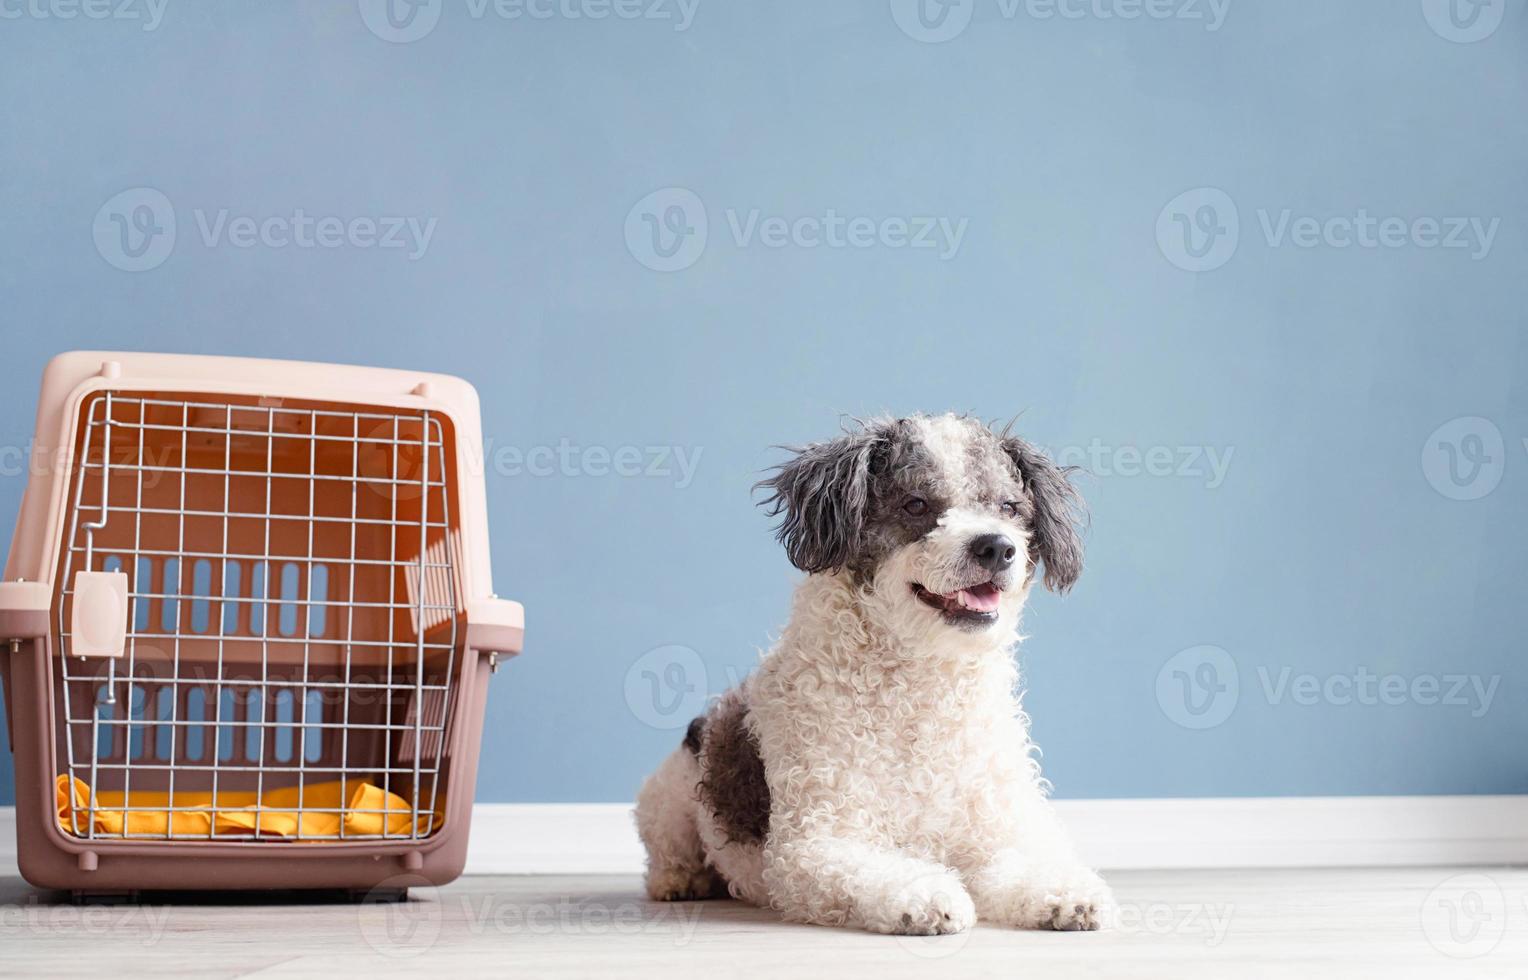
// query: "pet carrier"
[[247, 626]]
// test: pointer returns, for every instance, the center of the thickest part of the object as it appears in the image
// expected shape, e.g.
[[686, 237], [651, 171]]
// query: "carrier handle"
[[24, 608], [495, 626]]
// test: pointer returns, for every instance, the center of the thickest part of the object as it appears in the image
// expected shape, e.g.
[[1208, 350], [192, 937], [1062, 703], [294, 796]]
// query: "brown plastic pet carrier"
[[248, 624]]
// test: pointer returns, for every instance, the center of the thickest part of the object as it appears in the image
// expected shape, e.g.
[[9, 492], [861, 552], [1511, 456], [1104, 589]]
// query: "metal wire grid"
[[118, 742]]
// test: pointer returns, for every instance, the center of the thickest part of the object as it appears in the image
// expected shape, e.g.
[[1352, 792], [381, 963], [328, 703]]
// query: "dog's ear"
[[1055, 533], [821, 495]]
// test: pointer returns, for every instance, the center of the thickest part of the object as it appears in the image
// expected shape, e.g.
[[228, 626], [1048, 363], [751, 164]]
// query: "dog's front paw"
[[931, 905], [1065, 898], [1073, 901], [684, 884]]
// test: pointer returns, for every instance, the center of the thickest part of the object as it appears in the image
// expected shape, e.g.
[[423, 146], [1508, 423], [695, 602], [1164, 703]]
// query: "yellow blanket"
[[362, 804]]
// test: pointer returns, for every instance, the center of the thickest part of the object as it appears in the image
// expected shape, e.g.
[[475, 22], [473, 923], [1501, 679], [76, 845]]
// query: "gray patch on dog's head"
[[732, 785], [1054, 515]]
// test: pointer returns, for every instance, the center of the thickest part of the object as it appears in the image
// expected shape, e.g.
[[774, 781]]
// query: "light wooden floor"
[[1388, 923]]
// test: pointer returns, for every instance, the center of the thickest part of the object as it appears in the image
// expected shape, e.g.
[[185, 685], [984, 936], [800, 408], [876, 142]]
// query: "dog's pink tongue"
[[982, 598]]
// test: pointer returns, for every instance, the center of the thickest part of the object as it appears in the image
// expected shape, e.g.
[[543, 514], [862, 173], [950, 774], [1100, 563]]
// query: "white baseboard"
[[1292, 832], [553, 838], [1276, 832]]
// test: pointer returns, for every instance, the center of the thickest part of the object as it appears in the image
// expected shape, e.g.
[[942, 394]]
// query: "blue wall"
[[1219, 640]]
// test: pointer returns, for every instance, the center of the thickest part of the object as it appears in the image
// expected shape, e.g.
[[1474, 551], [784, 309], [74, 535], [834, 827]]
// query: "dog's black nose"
[[994, 552]]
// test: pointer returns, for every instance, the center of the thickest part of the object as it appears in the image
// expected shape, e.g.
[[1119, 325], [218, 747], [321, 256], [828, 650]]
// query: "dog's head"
[[941, 516]]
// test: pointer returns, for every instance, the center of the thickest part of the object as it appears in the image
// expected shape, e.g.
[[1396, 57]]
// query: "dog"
[[875, 770]]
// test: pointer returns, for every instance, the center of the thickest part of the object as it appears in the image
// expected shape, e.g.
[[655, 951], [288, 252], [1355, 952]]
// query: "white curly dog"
[[875, 770]]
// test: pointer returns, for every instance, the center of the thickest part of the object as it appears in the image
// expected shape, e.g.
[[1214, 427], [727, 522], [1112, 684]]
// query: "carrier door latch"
[[98, 627]]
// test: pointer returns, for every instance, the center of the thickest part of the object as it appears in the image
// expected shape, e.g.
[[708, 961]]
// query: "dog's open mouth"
[[974, 605]]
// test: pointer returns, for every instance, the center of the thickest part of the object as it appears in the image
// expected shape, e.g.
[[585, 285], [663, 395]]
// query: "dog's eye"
[[1010, 508], [915, 506]]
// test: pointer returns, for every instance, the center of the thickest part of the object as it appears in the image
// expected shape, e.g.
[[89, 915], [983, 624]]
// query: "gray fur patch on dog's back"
[[732, 782]]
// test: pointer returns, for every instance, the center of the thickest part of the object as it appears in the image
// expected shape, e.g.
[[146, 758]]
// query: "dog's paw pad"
[[934, 908], [1065, 901], [1081, 910], [1081, 917]]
